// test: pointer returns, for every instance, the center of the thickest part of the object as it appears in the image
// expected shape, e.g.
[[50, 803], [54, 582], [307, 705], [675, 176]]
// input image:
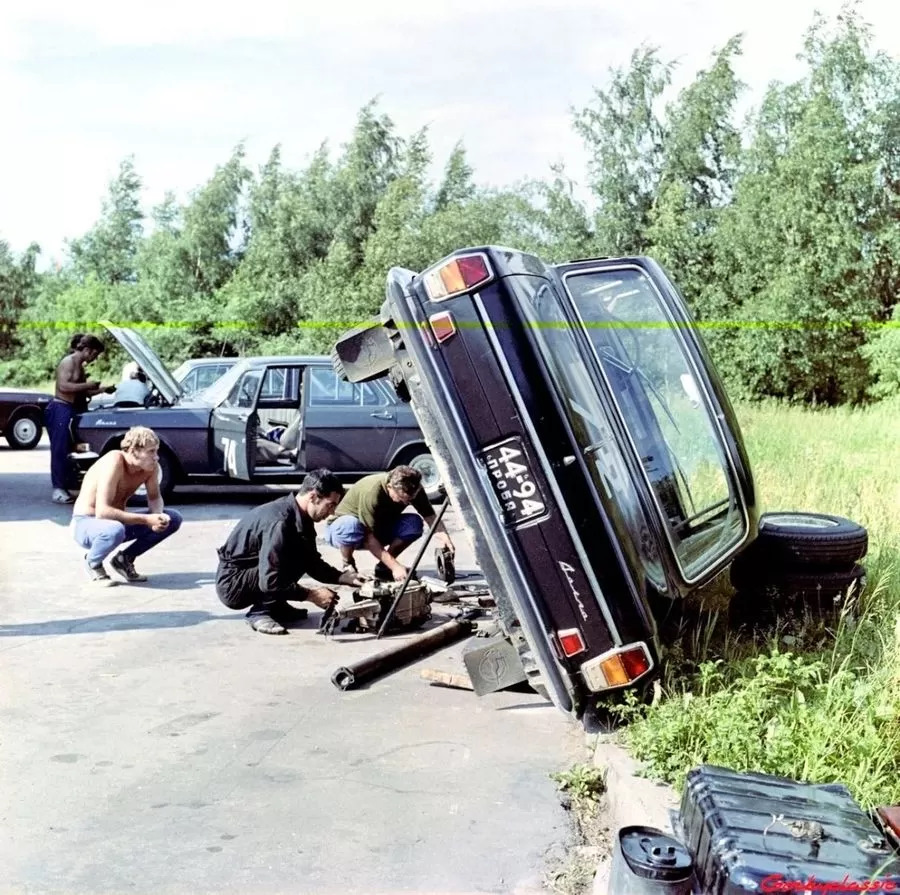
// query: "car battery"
[[752, 832]]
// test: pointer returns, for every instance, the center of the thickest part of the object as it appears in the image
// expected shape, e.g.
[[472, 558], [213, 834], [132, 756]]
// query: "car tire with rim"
[[791, 540], [24, 431]]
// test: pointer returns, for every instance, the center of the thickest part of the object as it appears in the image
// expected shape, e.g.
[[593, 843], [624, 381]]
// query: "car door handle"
[[382, 415]]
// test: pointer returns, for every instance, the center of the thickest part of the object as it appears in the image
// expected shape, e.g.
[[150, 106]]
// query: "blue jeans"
[[348, 531], [58, 417], [101, 536]]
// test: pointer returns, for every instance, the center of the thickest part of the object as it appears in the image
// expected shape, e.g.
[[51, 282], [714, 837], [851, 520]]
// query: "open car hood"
[[147, 359]]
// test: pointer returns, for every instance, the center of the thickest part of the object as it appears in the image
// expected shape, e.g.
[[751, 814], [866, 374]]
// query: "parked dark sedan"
[[22, 417], [268, 419]]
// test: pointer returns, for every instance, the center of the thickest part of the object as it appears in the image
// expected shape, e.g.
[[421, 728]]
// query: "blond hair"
[[139, 438]]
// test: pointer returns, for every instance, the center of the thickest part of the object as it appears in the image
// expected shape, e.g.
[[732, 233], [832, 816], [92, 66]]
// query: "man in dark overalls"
[[274, 546]]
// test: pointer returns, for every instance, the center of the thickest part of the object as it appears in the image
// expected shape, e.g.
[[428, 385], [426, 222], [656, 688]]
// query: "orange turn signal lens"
[[617, 667], [614, 671], [442, 326]]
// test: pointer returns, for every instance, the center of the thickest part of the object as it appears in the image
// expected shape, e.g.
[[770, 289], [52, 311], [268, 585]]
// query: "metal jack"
[[412, 569]]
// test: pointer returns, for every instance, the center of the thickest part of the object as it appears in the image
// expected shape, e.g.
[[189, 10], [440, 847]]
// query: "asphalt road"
[[150, 742]]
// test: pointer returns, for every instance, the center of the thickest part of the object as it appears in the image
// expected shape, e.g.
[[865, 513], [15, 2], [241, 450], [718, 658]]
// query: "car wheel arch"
[[176, 473]]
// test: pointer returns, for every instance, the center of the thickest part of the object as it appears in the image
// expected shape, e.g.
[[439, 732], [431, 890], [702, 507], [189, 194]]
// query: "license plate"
[[510, 472]]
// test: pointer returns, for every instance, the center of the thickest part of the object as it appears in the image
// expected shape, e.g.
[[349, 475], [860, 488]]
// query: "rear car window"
[[645, 363]]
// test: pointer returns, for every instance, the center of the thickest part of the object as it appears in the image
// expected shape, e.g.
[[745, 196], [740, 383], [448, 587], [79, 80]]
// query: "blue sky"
[[179, 84]]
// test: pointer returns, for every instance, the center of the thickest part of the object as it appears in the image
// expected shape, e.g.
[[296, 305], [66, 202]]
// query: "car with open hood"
[[266, 420]]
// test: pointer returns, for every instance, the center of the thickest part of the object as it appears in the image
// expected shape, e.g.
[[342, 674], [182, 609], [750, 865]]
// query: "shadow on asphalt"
[[118, 621], [179, 580]]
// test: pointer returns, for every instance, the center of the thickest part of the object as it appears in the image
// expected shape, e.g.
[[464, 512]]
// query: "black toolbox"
[[757, 833]]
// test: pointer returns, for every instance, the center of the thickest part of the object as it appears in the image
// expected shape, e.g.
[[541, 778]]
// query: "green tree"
[[364, 172], [457, 186], [108, 250], [625, 139], [18, 282], [700, 162], [806, 258]]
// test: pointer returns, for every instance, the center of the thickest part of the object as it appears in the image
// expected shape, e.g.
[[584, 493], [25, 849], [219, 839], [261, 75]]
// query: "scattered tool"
[[350, 676]]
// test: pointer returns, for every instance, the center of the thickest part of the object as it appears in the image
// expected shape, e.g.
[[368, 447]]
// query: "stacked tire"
[[800, 561]]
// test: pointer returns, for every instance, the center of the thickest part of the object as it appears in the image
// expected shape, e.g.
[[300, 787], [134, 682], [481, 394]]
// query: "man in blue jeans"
[[73, 389], [372, 516], [100, 522]]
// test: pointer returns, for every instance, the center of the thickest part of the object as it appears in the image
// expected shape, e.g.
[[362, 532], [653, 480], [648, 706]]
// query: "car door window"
[[280, 387], [327, 389], [189, 383], [243, 394], [203, 377]]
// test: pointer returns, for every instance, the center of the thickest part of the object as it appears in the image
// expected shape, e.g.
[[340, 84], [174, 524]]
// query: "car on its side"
[[266, 420], [198, 373], [22, 417], [586, 440]]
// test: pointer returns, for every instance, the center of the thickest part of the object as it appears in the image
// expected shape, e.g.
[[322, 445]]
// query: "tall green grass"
[[809, 698]]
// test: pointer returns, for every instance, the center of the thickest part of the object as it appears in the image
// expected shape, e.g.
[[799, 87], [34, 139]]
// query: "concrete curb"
[[630, 799]]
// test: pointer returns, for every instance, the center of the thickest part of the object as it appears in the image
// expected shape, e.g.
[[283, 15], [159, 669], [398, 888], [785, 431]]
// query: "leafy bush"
[[801, 699]]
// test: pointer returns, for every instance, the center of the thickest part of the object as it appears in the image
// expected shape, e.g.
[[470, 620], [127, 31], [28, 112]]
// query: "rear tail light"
[[617, 667], [571, 642], [442, 326], [457, 275]]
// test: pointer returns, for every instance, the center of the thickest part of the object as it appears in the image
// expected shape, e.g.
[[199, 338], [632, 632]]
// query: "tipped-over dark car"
[[588, 443]]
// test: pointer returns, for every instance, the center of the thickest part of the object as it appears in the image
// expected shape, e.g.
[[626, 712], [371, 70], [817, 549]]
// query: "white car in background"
[[199, 373]]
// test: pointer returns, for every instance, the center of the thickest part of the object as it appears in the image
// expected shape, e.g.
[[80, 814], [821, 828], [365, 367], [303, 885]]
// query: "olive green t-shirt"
[[369, 501]]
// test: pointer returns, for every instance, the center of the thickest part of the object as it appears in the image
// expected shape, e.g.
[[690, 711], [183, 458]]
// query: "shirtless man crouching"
[[100, 522]]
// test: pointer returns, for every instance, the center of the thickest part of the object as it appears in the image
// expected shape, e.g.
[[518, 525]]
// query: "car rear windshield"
[[644, 361]]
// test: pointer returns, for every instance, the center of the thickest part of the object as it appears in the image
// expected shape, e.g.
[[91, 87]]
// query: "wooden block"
[[447, 678]]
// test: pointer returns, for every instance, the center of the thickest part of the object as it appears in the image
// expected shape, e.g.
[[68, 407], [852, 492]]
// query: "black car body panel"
[[584, 436], [233, 430]]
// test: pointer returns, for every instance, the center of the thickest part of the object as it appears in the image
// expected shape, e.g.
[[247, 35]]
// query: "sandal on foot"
[[265, 624]]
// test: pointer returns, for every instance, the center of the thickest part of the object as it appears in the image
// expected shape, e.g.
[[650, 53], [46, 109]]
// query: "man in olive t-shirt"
[[372, 516]]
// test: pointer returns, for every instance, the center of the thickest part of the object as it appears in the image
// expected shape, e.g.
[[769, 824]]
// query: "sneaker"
[[98, 575], [61, 496], [124, 565], [349, 566]]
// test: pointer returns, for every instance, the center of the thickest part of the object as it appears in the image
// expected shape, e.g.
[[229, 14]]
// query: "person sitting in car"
[[132, 391], [279, 443], [372, 516]]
